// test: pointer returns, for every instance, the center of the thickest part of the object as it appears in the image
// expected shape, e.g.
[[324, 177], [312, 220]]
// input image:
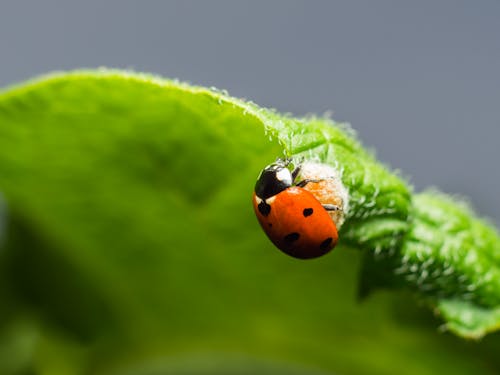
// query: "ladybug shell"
[[296, 223]]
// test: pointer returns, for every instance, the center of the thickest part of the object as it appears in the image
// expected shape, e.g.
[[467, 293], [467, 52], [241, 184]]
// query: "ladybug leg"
[[305, 182], [331, 207], [295, 173]]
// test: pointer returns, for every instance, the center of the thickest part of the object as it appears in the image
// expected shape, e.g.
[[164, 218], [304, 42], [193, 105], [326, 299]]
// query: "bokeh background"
[[418, 80]]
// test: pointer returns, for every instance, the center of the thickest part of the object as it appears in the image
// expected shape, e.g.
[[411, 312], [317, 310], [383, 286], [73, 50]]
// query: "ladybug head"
[[273, 179]]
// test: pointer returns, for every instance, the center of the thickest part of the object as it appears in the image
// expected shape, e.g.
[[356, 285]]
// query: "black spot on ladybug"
[[270, 225], [307, 212], [326, 243], [264, 208], [291, 237]]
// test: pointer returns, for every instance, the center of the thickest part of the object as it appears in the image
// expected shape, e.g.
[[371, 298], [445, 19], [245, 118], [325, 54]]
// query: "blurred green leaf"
[[131, 242]]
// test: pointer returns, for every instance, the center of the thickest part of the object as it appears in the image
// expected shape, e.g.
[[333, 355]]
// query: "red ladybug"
[[293, 219]]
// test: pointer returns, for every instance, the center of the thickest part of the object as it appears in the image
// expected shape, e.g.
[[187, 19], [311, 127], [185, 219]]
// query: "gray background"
[[418, 80]]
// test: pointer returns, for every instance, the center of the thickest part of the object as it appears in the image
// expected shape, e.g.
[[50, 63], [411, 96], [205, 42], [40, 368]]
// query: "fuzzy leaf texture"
[[129, 245]]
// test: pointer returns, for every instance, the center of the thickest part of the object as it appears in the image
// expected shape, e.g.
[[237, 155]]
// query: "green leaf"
[[450, 258], [3, 219], [131, 243]]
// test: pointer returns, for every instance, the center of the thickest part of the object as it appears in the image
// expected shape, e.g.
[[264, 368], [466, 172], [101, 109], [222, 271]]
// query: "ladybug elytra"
[[292, 217]]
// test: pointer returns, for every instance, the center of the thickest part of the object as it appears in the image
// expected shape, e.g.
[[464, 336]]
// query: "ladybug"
[[291, 216]]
